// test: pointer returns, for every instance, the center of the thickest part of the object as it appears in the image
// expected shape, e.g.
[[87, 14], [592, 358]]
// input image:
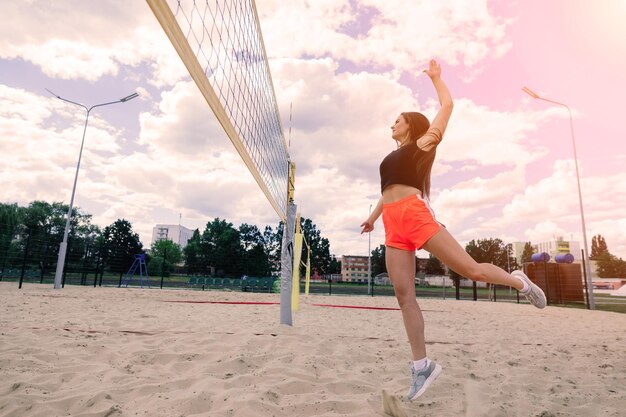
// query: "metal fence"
[[75, 275], [33, 260]]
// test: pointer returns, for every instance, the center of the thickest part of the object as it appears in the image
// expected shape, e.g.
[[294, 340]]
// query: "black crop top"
[[408, 165]]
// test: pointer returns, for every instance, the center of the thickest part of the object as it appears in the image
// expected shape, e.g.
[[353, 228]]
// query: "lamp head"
[[56, 95], [130, 97], [530, 92]]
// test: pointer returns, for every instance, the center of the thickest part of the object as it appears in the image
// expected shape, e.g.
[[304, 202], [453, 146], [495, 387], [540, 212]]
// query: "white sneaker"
[[420, 380], [534, 294]]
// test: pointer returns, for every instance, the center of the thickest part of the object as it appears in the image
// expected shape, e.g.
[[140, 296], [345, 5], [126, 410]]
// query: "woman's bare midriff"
[[396, 192]]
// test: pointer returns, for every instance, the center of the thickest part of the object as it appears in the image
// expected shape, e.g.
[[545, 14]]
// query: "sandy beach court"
[[111, 352]]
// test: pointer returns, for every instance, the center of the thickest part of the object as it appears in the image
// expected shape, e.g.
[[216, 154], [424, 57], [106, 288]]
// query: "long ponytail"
[[418, 126]]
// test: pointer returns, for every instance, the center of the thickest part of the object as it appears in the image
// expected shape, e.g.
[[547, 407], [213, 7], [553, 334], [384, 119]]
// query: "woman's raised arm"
[[440, 122]]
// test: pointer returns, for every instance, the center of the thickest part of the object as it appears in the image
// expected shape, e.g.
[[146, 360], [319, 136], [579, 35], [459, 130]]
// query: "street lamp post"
[[508, 261], [63, 247], [508, 258], [369, 260], [580, 196]]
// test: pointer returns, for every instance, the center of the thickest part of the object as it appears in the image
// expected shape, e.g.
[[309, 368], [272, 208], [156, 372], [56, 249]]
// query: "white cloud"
[[181, 162], [461, 206], [33, 143], [341, 133], [341, 126], [189, 166], [545, 231], [88, 40], [59, 58], [402, 35], [485, 136], [549, 208], [338, 204], [338, 119], [184, 124], [550, 198]]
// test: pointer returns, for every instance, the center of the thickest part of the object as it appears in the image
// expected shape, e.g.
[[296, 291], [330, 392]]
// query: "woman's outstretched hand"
[[367, 226], [434, 69]]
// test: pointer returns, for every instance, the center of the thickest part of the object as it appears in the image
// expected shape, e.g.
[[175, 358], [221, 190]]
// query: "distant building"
[[559, 247], [552, 248], [382, 279], [518, 251], [174, 232], [354, 268], [331, 277]]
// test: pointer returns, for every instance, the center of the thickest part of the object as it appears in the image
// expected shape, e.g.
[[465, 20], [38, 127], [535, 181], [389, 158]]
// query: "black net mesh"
[[226, 39]]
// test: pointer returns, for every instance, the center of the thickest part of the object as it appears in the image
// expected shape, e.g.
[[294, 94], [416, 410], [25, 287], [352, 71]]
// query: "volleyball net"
[[221, 44]]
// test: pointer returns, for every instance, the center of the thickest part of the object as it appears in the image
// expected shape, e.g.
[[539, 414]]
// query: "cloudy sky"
[[505, 168]]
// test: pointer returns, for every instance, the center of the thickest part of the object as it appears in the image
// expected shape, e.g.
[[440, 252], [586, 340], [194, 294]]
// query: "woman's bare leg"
[[401, 269], [447, 250]]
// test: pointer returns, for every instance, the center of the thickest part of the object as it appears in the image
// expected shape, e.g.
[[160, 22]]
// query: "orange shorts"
[[409, 223]]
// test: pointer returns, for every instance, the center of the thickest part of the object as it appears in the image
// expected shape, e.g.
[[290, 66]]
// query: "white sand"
[[85, 351]]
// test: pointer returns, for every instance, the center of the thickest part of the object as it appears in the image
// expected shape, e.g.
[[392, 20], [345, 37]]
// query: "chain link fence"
[[32, 257], [33, 260]]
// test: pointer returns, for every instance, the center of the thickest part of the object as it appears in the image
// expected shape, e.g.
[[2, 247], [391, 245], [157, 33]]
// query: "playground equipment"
[[139, 262]]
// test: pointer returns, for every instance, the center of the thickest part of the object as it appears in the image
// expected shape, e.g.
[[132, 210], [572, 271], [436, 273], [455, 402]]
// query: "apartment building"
[[174, 232], [354, 268]]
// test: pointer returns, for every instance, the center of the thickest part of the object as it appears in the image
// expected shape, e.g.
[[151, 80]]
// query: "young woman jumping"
[[410, 225]]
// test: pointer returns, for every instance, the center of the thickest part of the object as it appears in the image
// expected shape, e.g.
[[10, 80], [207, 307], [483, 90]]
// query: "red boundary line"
[[220, 302], [359, 307], [274, 303]]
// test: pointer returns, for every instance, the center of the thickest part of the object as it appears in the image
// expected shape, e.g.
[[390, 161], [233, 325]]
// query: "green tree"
[[255, 259], [527, 253], [82, 244], [192, 254], [320, 246], [99, 255], [163, 255], [166, 249], [598, 247], [512, 265], [43, 226], [221, 248], [609, 266], [434, 266], [378, 260], [456, 278], [258, 262], [273, 244], [121, 244], [488, 251], [10, 221], [335, 265], [250, 236], [85, 238]]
